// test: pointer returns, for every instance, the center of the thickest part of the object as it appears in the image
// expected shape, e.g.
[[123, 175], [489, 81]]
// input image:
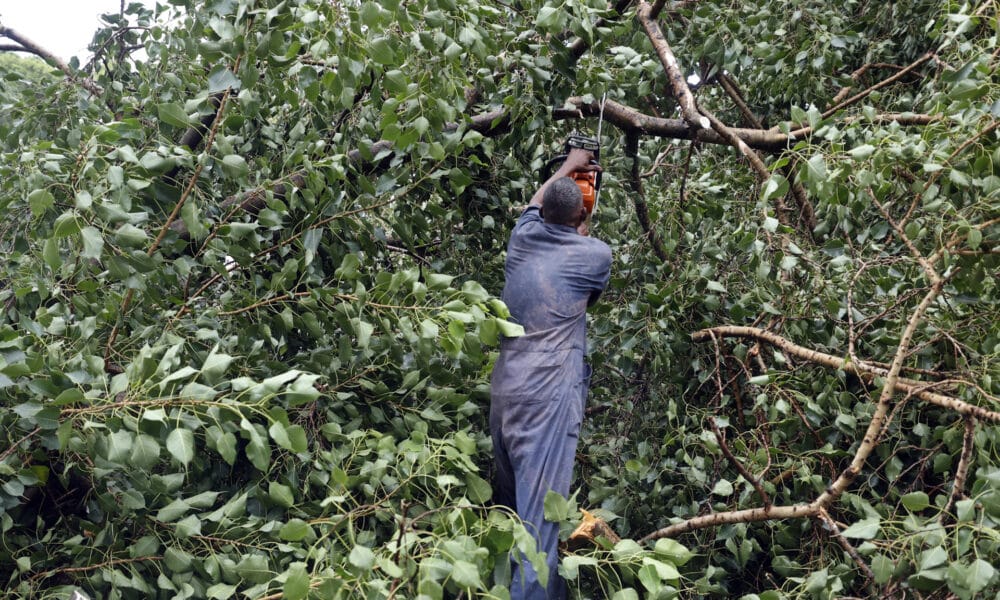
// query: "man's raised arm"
[[577, 160]]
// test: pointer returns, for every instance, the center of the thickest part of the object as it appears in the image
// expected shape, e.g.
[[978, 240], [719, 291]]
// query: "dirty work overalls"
[[539, 384]]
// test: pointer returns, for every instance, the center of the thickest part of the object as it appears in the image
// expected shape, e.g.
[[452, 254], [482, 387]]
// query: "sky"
[[63, 27]]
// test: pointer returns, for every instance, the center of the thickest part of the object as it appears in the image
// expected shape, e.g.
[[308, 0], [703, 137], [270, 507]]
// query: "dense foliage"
[[249, 290]]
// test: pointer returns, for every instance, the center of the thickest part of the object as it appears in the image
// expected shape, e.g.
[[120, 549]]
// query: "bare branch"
[[734, 94]]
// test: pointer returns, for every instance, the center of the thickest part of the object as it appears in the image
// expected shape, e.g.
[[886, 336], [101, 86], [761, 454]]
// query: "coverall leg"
[[534, 445]]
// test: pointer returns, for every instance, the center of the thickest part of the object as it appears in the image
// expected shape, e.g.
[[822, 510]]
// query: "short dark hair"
[[562, 202]]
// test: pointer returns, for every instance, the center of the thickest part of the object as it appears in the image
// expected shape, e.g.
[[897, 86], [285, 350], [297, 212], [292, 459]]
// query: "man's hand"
[[583, 229], [579, 159]]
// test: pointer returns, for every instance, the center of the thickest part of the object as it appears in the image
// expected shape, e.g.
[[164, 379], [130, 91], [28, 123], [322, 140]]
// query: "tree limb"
[[681, 91], [863, 370], [29, 46], [749, 515]]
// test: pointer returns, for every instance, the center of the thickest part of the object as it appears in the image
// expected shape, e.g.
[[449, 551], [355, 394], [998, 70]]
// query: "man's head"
[[562, 203]]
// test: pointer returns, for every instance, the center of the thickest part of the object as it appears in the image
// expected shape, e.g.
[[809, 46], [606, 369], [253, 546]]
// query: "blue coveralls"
[[539, 384]]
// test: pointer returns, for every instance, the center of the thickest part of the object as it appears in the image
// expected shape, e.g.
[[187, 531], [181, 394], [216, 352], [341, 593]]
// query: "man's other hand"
[[583, 229]]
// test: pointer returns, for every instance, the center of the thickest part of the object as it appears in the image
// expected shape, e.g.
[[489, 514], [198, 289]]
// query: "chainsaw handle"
[[546, 170]]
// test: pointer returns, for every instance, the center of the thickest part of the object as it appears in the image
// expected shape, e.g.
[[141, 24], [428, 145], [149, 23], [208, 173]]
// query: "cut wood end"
[[589, 530]]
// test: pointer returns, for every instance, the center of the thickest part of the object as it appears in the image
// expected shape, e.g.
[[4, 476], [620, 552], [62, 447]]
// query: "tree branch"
[[681, 91], [30, 46], [749, 515], [863, 370], [639, 199]]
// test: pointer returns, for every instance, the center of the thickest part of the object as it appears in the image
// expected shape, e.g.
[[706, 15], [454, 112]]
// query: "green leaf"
[[556, 507], [916, 501], [672, 550], [862, 152], [571, 564], [173, 511], [882, 567], [509, 329], [864, 529], [66, 224], [625, 594], [548, 17], [171, 113], [974, 238], [222, 79], [221, 591], [296, 583], [362, 557], [50, 254], [280, 494], [294, 530], [145, 452], [180, 444], [93, 242], [776, 186], [234, 166], [131, 236], [40, 201], [381, 51], [723, 488], [226, 446], [466, 575]]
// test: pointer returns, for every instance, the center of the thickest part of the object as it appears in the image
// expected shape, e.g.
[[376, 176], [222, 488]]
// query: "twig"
[[736, 463], [885, 82], [23, 439], [734, 94], [851, 551], [934, 176], [109, 563]]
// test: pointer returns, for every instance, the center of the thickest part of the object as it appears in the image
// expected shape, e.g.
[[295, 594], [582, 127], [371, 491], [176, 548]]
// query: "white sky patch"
[[63, 27]]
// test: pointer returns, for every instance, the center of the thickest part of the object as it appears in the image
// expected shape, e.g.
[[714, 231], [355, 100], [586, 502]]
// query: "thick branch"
[[30, 46], [864, 370], [749, 515], [647, 18], [872, 434]]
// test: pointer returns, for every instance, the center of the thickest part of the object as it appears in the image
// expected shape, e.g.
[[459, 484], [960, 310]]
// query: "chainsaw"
[[589, 182]]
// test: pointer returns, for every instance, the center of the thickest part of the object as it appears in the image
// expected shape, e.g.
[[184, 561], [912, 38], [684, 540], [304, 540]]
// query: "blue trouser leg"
[[535, 447]]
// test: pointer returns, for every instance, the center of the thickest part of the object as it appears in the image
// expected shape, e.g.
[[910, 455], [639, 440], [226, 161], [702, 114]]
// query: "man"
[[554, 271]]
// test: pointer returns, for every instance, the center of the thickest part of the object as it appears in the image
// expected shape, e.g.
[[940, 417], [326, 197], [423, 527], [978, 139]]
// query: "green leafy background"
[[250, 306]]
